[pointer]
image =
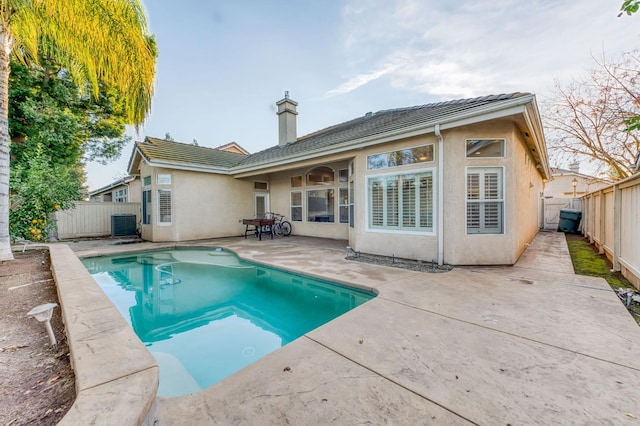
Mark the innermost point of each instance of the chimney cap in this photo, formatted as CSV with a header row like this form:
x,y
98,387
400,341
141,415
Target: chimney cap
x,y
287,99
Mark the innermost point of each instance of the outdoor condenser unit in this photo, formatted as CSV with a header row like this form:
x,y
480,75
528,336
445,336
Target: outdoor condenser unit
x,y
123,224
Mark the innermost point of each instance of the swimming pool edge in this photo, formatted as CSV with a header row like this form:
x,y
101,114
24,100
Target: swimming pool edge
x,y
109,389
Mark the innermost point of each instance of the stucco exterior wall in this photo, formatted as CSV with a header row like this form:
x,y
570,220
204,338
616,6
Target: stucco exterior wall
x,y
408,245
522,188
204,205
561,185
209,205
521,208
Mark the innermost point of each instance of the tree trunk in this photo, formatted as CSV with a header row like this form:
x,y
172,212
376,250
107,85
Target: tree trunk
x,y
6,43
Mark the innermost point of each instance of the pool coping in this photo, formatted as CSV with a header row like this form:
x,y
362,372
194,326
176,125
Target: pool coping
x,y
371,379
107,390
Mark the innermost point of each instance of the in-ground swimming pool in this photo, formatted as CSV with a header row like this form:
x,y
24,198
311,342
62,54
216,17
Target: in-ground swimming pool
x,y
205,313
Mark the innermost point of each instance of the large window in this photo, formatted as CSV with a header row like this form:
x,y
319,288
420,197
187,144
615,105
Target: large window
x,y
485,200
401,202
320,206
164,206
403,157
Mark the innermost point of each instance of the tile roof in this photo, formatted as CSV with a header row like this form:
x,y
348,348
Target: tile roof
x,y
373,124
161,150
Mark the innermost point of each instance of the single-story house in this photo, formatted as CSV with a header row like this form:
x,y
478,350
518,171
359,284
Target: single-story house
x,y
457,182
570,183
125,190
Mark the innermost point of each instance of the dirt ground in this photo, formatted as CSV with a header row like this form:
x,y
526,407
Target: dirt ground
x,y
36,383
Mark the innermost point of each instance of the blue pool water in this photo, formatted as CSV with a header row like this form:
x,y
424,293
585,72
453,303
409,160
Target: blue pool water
x,y
206,313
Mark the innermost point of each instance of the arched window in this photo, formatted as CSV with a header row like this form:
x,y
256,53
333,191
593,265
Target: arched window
x,y
321,175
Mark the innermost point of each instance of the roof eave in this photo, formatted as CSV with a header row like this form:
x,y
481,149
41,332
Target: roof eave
x,y
187,166
488,112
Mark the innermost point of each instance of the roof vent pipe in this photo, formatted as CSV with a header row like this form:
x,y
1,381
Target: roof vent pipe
x,y
287,127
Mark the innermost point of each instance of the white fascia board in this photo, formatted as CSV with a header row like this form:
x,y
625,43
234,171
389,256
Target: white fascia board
x,y
188,167
535,125
491,112
135,152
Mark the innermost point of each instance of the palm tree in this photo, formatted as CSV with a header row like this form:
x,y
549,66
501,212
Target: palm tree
x,y
97,41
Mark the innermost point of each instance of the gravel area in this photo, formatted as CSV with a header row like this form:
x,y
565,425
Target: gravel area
x,y
395,262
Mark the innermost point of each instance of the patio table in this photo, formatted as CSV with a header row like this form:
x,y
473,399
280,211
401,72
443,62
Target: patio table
x,y
260,226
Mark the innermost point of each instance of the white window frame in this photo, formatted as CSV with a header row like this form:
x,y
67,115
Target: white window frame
x,y
315,188
266,197
343,205
256,182
120,195
159,221
400,229
504,148
292,206
481,200
387,167
147,206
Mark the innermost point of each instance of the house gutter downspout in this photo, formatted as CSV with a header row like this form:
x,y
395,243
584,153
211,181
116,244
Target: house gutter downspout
x,y
440,194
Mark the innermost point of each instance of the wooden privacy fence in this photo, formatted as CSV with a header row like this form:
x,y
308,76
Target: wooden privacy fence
x,y
611,221
89,219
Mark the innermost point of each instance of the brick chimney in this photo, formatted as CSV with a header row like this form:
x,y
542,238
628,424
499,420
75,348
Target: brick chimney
x,y
287,131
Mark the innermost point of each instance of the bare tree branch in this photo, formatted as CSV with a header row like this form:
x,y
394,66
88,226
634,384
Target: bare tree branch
x,y
588,118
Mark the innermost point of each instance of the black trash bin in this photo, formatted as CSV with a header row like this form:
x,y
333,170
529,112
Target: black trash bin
x,y
123,224
569,220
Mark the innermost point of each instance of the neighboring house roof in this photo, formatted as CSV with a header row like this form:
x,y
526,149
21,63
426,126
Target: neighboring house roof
x,y
370,129
556,171
233,147
164,153
125,180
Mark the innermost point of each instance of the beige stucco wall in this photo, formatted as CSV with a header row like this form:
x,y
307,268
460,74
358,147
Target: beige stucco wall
x,y
522,183
204,205
521,202
209,205
135,191
399,244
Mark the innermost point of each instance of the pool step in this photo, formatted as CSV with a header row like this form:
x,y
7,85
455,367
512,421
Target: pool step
x,y
175,380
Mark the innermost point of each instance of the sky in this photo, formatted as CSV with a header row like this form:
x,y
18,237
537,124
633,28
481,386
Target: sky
x,y
223,65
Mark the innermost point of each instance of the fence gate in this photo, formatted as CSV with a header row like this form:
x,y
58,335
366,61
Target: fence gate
x,y
552,207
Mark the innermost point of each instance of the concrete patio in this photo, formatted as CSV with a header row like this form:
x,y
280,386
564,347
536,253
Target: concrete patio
x,y
528,344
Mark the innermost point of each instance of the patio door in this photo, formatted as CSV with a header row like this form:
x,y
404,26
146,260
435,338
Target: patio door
x,y
261,205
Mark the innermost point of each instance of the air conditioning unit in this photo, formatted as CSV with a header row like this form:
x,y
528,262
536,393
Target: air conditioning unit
x,y
123,224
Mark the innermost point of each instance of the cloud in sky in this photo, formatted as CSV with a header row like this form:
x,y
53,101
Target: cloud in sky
x,y
469,48
222,65
361,79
